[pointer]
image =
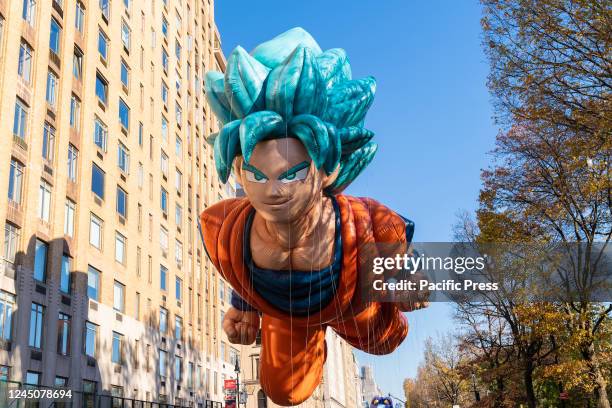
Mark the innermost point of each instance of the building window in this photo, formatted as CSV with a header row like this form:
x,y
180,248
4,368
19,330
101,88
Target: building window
x,y
15,181
52,86
54,37
163,363
24,68
101,89
178,328
164,200
137,306
32,378
178,368
120,248
119,297
29,11
4,373
44,200
79,20
77,64
123,158
163,277
163,320
37,314
12,234
95,231
164,129
20,120
75,112
103,45
100,134
164,163
178,147
97,180
91,336
140,175
117,348
7,306
165,27
177,49
178,255
125,74
221,290
93,283
63,335
179,288
105,8
121,202
70,209
61,382
179,114
140,133
48,142
178,215
65,274
165,60
138,261
73,157
124,114
163,240
164,93
125,35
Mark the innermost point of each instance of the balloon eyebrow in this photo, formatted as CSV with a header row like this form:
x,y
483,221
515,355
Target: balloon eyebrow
x,y
294,169
254,169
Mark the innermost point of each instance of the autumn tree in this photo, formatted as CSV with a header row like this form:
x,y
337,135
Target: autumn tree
x,y
551,78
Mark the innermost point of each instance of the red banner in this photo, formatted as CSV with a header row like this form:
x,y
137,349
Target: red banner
x,y
229,385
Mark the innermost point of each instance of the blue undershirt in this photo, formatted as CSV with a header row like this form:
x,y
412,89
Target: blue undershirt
x,y
299,293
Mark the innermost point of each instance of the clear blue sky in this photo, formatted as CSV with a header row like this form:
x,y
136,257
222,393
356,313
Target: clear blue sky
x,y
432,115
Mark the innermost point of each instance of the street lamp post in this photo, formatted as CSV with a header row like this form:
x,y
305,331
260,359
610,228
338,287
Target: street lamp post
x,y
476,393
237,370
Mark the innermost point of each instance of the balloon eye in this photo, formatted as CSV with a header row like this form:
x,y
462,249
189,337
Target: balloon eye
x,y
298,175
255,177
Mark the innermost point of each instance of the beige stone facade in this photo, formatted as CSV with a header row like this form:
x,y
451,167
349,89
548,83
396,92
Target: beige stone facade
x,y
105,287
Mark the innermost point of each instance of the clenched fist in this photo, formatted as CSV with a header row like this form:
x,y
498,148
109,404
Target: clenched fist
x,y
415,300
241,326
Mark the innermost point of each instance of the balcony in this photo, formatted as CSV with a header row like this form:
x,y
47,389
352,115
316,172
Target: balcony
x,y
55,59
20,142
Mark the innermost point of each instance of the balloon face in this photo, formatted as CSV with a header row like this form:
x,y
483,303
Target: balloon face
x,y
280,179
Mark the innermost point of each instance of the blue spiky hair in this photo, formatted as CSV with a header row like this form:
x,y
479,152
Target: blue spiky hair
x,y
289,87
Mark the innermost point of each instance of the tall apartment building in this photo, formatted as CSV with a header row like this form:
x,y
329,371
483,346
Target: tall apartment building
x,y
368,384
105,287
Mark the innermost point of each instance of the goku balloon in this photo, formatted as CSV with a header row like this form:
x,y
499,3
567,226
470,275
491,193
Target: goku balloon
x,y
294,139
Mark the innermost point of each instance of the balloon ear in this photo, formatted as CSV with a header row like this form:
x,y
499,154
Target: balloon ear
x,y
237,167
331,178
